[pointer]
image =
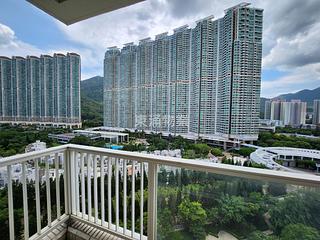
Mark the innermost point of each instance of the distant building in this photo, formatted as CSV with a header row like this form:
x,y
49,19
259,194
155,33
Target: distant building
x,y
267,110
298,112
275,109
36,146
202,82
289,113
112,137
43,90
287,155
316,112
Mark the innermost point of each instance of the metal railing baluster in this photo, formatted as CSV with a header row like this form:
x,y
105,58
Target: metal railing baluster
x,y
83,190
117,193
65,182
56,161
10,204
95,189
102,158
109,193
37,190
76,167
73,182
89,185
141,198
133,192
152,200
124,196
48,191
25,201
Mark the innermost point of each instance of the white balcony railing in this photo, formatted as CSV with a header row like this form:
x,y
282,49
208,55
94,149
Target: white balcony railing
x,y
92,190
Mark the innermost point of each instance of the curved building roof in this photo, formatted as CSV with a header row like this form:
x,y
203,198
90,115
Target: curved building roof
x,y
268,155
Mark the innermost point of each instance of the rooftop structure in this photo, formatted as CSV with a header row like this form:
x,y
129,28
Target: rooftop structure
x,y
111,136
287,155
36,146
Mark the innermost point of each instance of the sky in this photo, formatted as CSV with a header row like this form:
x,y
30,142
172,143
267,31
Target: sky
x,y
291,35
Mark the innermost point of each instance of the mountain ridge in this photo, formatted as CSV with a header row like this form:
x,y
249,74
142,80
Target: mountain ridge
x,y
92,88
305,95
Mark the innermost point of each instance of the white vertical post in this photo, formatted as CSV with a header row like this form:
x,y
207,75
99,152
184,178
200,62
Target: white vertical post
x,y
73,182
65,181
48,191
95,189
141,198
109,193
133,192
89,185
102,189
25,202
83,190
56,160
124,196
117,193
10,204
76,162
37,196
152,200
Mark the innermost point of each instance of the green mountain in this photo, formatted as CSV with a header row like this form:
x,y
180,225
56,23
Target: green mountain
x,y
91,101
92,98
305,95
92,88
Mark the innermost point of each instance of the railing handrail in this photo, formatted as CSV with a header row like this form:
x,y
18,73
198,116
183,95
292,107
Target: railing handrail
x,y
224,169
23,157
75,154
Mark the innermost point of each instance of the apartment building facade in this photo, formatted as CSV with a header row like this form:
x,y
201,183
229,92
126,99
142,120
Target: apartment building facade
x,y
43,90
316,112
203,81
291,113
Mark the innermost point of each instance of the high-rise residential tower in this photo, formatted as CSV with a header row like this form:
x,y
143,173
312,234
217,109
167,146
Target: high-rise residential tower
x,y
111,87
127,88
298,113
6,104
275,109
144,85
291,113
203,82
316,112
41,90
267,109
179,83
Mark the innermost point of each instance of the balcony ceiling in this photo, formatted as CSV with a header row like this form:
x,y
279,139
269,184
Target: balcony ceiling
x,y
72,11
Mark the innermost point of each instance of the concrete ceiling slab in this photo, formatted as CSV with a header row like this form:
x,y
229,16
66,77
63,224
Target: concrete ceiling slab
x,y
72,11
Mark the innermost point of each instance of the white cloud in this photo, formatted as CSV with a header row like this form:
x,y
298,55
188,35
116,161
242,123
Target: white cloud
x,y
298,50
305,77
11,46
291,35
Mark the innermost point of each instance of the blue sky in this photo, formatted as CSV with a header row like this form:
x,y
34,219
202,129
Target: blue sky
x,y
291,50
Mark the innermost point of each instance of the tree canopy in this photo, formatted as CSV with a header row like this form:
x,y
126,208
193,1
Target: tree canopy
x,y
193,217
